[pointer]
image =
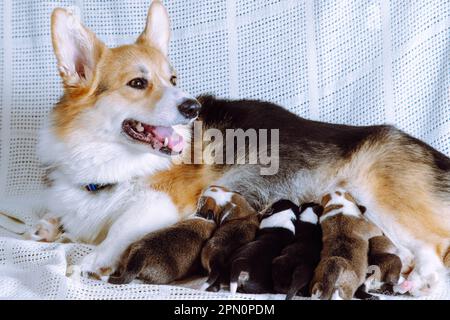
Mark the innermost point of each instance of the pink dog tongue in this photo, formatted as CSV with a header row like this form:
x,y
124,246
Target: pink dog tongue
x,y
176,142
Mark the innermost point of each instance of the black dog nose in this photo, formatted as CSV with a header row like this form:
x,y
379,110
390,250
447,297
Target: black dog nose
x,y
189,108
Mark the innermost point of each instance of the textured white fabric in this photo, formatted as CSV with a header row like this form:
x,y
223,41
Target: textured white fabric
x,y
358,62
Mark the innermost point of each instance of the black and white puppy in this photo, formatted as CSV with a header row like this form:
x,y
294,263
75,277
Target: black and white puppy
x,y
251,265
293,270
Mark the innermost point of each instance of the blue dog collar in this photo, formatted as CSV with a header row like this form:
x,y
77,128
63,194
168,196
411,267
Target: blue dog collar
x,y
94,187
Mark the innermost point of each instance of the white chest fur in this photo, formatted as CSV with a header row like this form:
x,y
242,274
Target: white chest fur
x,y
86,215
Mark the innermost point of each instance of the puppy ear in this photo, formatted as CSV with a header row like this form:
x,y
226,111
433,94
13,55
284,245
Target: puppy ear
x,y
157,29
226,213
325,199
77,49
266,212
362,209
318,210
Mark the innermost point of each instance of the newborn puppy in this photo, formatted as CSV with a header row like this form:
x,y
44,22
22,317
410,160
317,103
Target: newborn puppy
x,y
167,254
293,270
385,264
237,225
251,265
346,233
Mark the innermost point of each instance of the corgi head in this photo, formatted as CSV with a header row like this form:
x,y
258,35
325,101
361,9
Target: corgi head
x,y
119,104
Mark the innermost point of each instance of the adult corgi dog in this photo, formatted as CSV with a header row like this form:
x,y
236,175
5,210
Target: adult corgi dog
x,y
120,120
114,141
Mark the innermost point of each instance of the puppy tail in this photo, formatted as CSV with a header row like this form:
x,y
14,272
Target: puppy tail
x,y
216,267
331,272
240,273
131,270
211,283
300,278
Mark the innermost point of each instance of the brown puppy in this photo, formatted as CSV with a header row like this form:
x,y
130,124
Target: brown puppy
x,y
237,225
165,255
385,264
346,233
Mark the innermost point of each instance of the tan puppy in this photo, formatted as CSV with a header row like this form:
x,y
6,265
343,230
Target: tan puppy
x,y
385,264
237,225
346,233
165,255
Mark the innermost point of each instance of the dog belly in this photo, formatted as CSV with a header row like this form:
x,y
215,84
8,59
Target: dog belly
x,y
400,197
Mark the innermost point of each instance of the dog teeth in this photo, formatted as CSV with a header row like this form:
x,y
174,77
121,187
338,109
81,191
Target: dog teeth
x,y
166,142
139,127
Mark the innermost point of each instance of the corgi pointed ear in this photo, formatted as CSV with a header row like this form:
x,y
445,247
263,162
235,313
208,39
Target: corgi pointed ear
x,y
77,49
157,29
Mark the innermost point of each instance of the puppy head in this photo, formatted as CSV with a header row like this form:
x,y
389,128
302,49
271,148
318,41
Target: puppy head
x,y
220,204
310,213
340,201
125,97
281,214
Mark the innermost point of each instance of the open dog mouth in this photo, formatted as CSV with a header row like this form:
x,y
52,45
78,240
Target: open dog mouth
x,y
163,139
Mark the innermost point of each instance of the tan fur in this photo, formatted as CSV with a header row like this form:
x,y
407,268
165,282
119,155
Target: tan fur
x,y
348,196
415,211
325,199
447,259
115,68
331,207
387,172
184,184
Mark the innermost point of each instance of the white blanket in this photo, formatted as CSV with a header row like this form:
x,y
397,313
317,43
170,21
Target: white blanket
x,y
357,62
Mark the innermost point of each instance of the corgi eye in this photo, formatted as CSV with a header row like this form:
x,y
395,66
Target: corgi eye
x,y
138,83
173,80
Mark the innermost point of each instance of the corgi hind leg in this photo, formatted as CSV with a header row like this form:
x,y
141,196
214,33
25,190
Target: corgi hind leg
x,y
410,210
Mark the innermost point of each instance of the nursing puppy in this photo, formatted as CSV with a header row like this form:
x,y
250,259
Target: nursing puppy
x,y
237,225
293,270
344,258
251,265
166,255
385,264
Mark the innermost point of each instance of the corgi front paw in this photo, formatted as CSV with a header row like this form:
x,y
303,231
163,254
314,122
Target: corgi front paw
x,y
97,266
46,230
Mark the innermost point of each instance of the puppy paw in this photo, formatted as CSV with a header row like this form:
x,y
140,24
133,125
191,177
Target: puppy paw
x,y
403,287
47,230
